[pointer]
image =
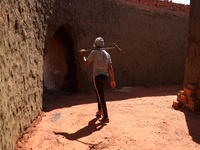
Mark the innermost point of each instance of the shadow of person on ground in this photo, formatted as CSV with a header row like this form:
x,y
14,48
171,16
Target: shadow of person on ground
x,y
89,129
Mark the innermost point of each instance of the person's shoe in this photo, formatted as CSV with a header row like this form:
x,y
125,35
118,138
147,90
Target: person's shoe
x,y
98,114
104,119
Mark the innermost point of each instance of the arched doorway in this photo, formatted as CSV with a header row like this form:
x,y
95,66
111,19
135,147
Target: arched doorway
x,y
60,72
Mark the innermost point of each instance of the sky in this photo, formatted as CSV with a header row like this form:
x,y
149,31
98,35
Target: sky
x,y
182,1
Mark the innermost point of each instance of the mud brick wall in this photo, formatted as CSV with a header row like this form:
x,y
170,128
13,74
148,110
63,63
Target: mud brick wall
x,y
192,71
154,45
153,40
21,68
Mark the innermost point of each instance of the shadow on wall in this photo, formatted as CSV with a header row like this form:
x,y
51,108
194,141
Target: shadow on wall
x,y
59,63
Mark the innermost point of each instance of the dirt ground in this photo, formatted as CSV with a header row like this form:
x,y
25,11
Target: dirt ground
x,y
140,118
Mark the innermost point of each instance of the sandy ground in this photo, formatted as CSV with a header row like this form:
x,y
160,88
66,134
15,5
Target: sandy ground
x,y
140,118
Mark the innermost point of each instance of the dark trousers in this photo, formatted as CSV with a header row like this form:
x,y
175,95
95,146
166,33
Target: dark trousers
x,y
99,83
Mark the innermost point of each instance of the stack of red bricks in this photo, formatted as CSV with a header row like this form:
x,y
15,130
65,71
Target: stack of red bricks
x,y
166,4
187,98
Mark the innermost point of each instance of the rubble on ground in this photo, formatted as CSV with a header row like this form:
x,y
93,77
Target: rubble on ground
x,y
187,98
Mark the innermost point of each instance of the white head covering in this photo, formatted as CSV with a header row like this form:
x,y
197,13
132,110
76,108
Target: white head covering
x,y
99,42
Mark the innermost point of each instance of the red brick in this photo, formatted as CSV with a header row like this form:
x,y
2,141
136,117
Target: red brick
x,y
193,98
191,107
179,99
195,105
184,97
190,92
180,103
192,87
184,102
190,102
175,104
182,92
178,95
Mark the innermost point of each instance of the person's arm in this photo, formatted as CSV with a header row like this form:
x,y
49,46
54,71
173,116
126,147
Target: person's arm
x,y
112,83
85,61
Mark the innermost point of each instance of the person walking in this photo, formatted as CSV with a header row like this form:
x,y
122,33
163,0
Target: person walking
x,y
102,66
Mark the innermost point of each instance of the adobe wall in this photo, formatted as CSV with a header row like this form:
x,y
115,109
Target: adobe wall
x,y
153,41
192,71
22,37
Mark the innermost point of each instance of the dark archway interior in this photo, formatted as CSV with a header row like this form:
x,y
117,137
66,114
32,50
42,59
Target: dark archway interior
x,y
59,64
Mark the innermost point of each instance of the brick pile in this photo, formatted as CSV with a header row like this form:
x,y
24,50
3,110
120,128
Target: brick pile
x,y
187,98
166,4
